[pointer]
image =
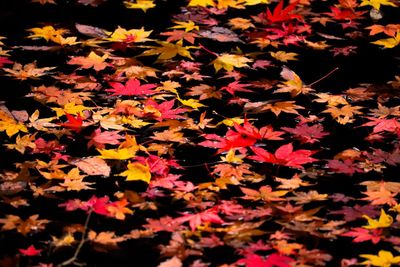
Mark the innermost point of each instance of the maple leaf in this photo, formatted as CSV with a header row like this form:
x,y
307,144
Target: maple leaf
x,y
140,4
306,133
118,209
236,86
383,124
240,23
4,60
99,139
132,87
275,259
128,36
348,3
47,32
275,107
91,61
24,227
362,235
30,251
389,29
384,259
344,14
23,72
284,56
307,197
9,124
169,50
93,166
193,103
203,3
381,196
73,123
346,166
384,221
265,193
284,155
344,114
186,25
195,220
377,3
163,110
178,35
281,14
121,153
137,171
229,61
389,42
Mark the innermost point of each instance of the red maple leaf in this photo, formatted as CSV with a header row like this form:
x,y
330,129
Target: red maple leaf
x,y
30,251
244,136
284,155
132,87
344,14
4,60
281,14
361,235
273,260
73,123
165,110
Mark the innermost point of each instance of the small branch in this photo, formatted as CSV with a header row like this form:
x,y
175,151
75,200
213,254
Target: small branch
x,y
81,243
208,50
323,77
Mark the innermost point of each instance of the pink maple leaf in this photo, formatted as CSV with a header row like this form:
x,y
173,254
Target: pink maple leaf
x,y
132,88
210,215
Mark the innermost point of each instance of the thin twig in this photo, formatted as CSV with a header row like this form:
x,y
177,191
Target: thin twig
x,y
323,77
81,243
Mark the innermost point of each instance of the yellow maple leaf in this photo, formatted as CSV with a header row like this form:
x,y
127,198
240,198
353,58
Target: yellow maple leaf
x,y
129,36
377,3
193,103
137,171
203,3
229,61
22,143
383,221
9,124
169,50
384,259
71,108
222,4
284,56
255,2
188,26
389,42
140,4
232,158
65,41
47,32
120,154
